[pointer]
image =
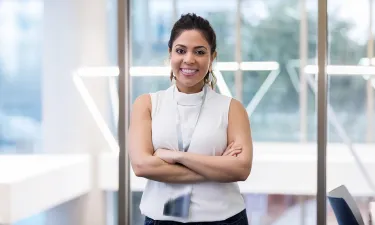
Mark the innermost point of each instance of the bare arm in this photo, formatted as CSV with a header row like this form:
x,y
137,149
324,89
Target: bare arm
x,y
226,168
141,151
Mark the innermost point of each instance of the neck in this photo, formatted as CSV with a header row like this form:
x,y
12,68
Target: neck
x,y
190,90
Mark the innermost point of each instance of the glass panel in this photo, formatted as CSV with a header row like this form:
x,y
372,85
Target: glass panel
x,y
21,35
151,21
348,35
349,143
279,102
50,103
271,34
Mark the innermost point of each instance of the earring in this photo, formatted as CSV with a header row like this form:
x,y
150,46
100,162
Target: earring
x,y
172,76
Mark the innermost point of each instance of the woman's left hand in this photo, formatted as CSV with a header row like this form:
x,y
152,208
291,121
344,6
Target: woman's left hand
x,y
169,156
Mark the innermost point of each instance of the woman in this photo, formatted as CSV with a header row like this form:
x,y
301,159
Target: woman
x,y
191,143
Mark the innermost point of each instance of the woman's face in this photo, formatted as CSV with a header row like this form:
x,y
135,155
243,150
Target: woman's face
x,y
191,59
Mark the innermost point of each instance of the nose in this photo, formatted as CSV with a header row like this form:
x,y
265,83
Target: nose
x,y
189,58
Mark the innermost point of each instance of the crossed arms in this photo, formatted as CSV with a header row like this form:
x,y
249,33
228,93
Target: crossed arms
x,y
183,167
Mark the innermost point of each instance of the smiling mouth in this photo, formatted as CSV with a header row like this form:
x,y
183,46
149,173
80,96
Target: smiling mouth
x,y
189,72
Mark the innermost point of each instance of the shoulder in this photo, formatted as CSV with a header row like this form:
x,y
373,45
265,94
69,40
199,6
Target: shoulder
x,y
237,111
142,102
236,105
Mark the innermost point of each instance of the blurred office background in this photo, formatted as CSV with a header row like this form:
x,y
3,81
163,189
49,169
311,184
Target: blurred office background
x,y
59,104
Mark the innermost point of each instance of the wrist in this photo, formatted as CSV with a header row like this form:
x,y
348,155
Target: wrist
x,y
179,156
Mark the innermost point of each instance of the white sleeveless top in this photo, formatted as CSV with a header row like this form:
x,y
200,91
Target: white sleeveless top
x,y
210,201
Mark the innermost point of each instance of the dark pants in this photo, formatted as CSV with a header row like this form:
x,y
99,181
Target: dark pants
x,y
238,219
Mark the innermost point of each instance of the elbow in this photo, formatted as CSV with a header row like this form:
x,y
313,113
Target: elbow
x,y
243,176
245,173
139,169
144,167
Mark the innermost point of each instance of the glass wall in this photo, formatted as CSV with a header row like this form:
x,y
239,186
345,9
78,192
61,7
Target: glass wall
x,y
351,96
348,41
281,32
21,35
48,106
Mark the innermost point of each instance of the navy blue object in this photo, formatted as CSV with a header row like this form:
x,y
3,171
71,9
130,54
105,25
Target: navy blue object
x,y
342,211
178,207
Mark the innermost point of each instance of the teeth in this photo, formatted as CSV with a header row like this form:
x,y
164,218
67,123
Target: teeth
x,y
188,71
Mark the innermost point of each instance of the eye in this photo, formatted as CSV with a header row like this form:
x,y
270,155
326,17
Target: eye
x,y
200,52
180,51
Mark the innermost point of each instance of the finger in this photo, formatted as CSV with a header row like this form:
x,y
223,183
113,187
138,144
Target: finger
x,y
232,151
226,151
230,145
233,147
235,152
228,148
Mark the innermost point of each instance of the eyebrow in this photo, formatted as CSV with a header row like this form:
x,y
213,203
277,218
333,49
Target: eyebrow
x,y
179,45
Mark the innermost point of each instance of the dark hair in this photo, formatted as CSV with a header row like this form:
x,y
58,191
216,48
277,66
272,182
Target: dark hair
x,y
191,21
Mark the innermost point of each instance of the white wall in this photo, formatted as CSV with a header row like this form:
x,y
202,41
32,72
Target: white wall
x,y
75,35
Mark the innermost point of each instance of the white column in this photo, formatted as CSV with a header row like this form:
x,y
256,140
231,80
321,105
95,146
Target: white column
x,y
75,35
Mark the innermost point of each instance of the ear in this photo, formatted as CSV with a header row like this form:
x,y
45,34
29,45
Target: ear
x,y
213,57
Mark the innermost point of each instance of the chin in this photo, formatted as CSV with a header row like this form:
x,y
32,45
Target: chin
x,y
188,82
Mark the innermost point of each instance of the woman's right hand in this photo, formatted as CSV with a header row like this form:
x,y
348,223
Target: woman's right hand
x,y
232,150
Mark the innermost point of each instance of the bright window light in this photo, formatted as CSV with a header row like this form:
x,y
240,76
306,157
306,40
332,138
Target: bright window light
x,y
227,66
342,70
366,61
109,71
259,66
150,71
94,111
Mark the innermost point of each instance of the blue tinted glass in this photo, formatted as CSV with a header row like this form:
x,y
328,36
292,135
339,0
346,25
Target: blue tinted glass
x,y
21,34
